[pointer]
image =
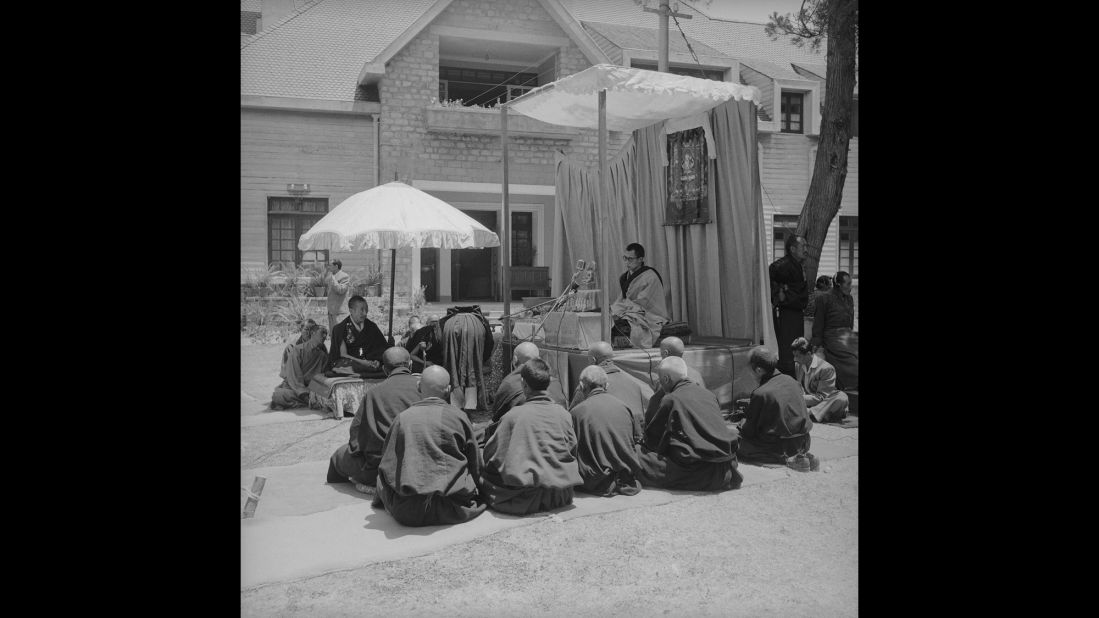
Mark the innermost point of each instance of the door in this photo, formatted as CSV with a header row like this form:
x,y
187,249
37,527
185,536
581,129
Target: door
x,y
429,273
472,269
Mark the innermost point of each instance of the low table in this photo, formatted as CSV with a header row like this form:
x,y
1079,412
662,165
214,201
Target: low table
x,y
339,395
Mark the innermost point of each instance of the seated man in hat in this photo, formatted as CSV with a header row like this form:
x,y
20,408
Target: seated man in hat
x,y
357,461
357,344
300,362
776,425
607,433
817,378
687,445
530,460
430,467
626,388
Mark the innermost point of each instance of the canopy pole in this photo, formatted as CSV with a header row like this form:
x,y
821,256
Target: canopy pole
x,y
604,248
392,281
505,228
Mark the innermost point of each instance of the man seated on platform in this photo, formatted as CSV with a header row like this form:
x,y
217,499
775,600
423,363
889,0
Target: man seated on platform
x,y
430,469
357,461
425,345
607,433
530,460
817,378
510,392
775,429
628,389
357,344
671,346
641,311
687,444
300,362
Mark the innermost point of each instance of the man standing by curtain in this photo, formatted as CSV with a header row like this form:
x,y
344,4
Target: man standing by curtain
x,y
641,311
789,296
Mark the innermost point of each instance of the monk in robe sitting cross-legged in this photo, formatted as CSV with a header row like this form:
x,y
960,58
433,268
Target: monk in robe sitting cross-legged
x,y
607,433
300,362
357,344
628,389
687,445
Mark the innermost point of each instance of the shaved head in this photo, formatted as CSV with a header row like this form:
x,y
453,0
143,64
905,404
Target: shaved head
x,y
395,357
434,382
594,376
525,351
672,369
601,351
671,346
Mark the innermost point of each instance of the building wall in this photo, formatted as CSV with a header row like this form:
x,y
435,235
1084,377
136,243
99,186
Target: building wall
x,y
333,153
766,85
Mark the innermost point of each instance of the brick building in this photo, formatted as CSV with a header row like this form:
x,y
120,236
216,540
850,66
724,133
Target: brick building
x,y
338,96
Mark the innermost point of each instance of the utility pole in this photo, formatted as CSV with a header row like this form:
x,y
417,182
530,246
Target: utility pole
x,y
664,12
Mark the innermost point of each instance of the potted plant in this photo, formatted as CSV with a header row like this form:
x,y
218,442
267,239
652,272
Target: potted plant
x,y
316,281
372,280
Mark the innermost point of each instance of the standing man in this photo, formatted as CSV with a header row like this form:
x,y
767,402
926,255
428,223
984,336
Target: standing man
x,y
339,285
641,311
789,295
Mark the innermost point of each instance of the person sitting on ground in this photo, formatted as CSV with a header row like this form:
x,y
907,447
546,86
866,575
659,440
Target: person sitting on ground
x,y
775,429
426,345
530,460
817,378
687,444
430,469
413,326
357,344
671,346
300,362
607,433
833,325
510,392
357,460
628,389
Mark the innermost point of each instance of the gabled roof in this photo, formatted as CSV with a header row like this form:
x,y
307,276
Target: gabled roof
x,y
636,37
251,5
773,70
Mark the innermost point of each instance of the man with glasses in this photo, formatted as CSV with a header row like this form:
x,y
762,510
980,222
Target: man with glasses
x,y
641,311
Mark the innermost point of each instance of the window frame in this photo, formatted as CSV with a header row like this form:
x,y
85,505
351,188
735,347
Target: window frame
x,y
299,218
851,228
784,113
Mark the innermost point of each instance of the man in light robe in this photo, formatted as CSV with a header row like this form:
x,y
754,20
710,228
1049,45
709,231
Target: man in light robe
x,y
430,466
357,461
626,388
530,460
776,426
641,311
338,283
510,393
817,378
671,346
300,362
357,344
607,433
687,444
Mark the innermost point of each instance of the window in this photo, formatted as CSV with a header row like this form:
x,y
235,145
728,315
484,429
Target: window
x,y
792,105
483,86
783,227
287,219
849,245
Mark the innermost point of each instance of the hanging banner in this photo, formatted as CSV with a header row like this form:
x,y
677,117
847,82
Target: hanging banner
x,y
688,168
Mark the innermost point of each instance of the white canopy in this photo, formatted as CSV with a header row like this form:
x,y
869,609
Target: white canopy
x,y
394,216
636,98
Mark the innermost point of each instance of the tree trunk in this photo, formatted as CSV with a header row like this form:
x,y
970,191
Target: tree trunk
x,y
830,169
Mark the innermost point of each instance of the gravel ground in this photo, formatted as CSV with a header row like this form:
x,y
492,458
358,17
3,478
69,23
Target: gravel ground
x,y
783,548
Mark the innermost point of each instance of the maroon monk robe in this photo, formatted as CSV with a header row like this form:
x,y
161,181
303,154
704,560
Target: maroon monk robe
x,y
359,458
687,445
300,361
430,466
510,393
606,451
626,388
777,423
530,460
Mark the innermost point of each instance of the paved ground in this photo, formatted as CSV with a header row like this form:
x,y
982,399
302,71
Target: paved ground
x,y
783,548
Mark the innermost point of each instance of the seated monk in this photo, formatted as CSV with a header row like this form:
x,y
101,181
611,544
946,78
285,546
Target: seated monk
x,y
426,345
607,433
628,389
530,460
510,392
776,425
357,461
430,467
687,445
817,378
300,361
357,344
671,346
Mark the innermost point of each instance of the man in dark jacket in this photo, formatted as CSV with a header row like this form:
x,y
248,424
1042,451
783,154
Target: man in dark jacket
x,y
687,445
832,329
357,461
776,426
789,296
607,433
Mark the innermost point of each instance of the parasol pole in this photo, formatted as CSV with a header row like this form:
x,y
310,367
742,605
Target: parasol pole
x,y
505,252
601,228
392,280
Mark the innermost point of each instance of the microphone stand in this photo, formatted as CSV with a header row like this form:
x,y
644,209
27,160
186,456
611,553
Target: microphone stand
x,y
570,290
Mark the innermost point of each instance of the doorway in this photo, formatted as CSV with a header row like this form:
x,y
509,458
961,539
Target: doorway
x,y
429,273
473,271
